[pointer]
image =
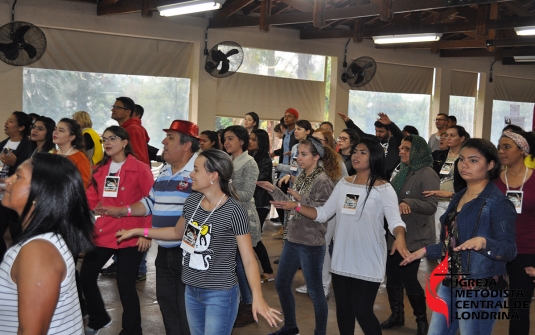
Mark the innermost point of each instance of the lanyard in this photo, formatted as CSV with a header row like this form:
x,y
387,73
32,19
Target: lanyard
x,y
199,205
523,182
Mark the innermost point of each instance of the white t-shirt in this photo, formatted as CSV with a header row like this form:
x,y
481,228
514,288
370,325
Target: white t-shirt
x,y
360,247
10,146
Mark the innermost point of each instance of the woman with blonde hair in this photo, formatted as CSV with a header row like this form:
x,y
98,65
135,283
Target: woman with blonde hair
x,y
92,142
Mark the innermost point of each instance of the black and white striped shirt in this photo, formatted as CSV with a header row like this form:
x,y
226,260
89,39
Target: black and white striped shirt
x,y
67,318
213,263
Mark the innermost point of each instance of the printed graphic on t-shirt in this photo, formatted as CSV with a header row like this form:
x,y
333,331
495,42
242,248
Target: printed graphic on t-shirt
x,y
200,258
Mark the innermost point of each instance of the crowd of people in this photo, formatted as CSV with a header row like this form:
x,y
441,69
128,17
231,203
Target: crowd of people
x,y
355,209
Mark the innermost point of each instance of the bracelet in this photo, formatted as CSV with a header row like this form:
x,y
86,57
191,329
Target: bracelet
x,y
298,207
146,232
129,210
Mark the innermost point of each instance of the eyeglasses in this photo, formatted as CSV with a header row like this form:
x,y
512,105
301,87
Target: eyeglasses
x,y
117,107
440,120
342,138
38,128
111,138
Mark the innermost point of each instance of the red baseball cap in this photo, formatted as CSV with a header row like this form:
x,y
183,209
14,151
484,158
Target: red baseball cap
x,y
293,111
184,127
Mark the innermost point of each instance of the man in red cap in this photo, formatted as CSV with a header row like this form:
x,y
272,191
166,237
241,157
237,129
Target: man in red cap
x,y
165,202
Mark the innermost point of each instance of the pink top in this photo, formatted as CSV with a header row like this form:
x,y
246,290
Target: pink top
x,y
525,222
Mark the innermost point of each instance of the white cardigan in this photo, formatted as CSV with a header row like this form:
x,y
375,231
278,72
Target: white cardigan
x,y
359,240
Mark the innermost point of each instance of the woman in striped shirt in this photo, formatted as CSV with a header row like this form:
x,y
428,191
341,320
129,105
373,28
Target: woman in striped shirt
x,y
214,225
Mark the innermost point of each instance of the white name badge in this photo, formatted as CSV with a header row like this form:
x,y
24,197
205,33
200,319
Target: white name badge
x,y
350,204
191,234
516,198
111,186
446,168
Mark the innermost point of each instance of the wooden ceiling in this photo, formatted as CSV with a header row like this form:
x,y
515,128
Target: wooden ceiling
x,y
471,28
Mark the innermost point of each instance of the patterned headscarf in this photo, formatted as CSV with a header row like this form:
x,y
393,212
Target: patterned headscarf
x,y
519,140
419,157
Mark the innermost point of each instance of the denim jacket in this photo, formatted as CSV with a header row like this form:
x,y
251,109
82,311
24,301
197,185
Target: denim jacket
x,y
492,216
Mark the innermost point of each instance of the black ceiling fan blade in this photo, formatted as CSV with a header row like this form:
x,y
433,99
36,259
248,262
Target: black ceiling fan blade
x,y
232,52
359,79
210,66
18,37
355,68
30,49
12,55
8,47
224,68
218,56
368,65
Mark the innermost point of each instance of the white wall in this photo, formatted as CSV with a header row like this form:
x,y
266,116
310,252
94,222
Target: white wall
x,y
82,16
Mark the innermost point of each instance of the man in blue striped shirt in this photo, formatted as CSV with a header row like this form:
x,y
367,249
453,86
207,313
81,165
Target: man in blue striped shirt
x,y
165,202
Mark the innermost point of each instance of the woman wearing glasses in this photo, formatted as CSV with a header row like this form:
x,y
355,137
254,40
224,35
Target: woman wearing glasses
x,y
347,140
118,180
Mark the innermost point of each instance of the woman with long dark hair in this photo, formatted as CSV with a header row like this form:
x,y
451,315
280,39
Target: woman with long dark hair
x,y
347,140
259,149
213,226
68,137
118,180
361,203
236,141
414,175
477,239
251,122
38,292
15,150
518,184
305,239
209,140
41,134
449,183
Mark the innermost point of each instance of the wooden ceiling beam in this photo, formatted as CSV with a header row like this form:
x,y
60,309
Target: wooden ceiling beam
x,y
232,8
251,8
466,53
357,30
517,9
497,24
265,12
481,23
518,52
318,19
368,10
385,10
300,5
491,35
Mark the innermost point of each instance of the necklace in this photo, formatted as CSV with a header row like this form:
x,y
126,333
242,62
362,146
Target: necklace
x,y
523,182
61,153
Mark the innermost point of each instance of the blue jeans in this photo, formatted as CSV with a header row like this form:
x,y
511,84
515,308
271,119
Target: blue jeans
x,y
211,312
245,290
311,260
468,325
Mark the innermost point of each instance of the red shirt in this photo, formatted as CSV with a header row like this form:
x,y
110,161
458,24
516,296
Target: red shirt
x,y
525,221
138,139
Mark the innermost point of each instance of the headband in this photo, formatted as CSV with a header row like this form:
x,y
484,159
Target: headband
x,y
317,144
519,140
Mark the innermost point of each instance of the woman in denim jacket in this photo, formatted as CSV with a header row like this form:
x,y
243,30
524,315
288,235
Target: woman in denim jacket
x,y
477,240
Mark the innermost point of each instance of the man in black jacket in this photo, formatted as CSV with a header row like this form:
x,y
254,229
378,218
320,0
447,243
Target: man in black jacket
x,y
387,133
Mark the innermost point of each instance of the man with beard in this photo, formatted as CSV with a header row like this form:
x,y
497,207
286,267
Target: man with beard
x,y
387,133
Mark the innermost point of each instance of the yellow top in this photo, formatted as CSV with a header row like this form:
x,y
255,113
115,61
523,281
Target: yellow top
x,y
98,153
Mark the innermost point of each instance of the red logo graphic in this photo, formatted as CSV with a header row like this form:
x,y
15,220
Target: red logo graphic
x,y
434,302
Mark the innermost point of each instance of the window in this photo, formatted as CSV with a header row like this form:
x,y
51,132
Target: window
x,y
283,64
463,108
519,113
58,94
403,109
